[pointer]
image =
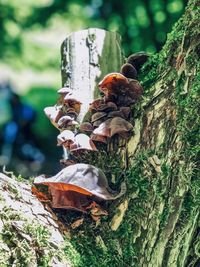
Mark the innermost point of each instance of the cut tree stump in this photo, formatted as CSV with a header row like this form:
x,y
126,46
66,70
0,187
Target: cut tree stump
x,y
86,57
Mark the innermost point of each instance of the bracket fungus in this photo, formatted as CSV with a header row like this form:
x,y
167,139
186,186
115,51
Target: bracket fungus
x,y
77,186
98,116
75,183
98,138
106,107
129,71
86,127
71,101
66,121
65,138
82,142
95,104
113,83
65,91
138,59
54,113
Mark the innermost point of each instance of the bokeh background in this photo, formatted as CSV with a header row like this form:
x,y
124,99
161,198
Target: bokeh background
x,y
31,33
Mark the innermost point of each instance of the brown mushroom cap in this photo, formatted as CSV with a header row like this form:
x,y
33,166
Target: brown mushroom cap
x,y
138,59
95,104
84,177
69,199
103,129
120,126
109,98
71,98
73,104
86,127
98,138
109,106
135,89
126,111
117,113
54,113
66,121
70,112
82,142
97,123
73,115
65,90
125,100
66,137
98,115
129,71
113,83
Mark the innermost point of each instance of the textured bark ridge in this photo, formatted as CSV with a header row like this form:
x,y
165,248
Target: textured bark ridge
x,y
156,222
29,233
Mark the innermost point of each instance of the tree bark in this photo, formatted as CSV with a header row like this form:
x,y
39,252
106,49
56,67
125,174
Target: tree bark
x,y
86,57
29,233
156,223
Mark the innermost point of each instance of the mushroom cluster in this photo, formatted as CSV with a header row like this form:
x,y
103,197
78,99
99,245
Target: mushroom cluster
x,y
77,185
64,117
110,114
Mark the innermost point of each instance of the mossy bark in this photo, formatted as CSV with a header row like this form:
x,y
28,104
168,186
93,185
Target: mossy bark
x,y
156,223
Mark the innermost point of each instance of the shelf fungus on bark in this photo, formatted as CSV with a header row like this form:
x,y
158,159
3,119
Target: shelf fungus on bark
x,y
135,89
63,92
71,112
126,111
71,101
124,90
138,59
93,107
81,143
66,121
86,127
98,138
65,138
54,113
129,71
77,186
106,107
113,126
113,84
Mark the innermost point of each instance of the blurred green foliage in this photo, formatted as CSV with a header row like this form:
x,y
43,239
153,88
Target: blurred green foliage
x,y
143,25
39,98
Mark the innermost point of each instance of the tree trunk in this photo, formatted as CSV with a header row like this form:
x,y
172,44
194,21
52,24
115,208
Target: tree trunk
x,y
86,57
29,233
156,223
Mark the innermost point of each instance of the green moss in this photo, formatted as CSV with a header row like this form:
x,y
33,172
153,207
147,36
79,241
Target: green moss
x,y
29,244
118,248
13,190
